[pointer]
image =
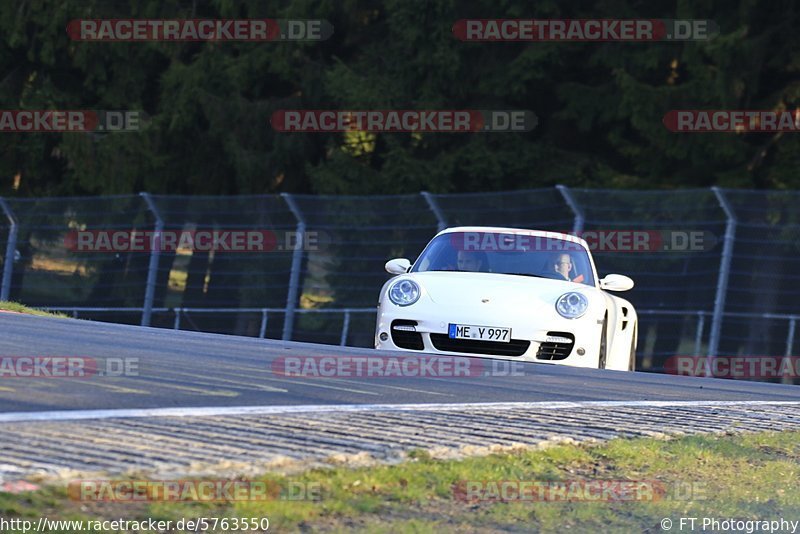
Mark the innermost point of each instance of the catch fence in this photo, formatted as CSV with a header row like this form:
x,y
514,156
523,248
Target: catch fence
x,y
732,292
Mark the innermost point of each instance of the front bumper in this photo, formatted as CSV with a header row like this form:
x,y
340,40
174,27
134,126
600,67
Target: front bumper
x,y
529,341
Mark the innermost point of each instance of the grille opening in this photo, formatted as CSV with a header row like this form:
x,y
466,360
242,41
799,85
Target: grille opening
x,y
515,347
550,350
406,339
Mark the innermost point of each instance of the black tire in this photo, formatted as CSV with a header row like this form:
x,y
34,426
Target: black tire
x,y
632,362
601,364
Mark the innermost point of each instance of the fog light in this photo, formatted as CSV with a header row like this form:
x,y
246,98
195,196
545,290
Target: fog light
x,y
384,336
581,351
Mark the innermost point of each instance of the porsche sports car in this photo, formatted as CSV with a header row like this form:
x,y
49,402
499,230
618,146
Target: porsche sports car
x,y
510,294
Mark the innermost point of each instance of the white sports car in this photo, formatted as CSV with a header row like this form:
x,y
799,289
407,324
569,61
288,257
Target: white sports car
x,y
510,294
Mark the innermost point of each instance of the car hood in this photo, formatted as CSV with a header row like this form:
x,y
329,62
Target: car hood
x,y
501,290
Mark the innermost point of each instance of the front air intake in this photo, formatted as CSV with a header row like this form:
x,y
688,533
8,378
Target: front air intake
x,y
558,346
515,347
404,335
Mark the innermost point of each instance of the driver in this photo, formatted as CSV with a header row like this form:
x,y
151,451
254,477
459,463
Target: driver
x,y
565,267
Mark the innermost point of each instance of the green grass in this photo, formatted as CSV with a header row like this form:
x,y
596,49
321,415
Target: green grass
x,y
749,476
21,308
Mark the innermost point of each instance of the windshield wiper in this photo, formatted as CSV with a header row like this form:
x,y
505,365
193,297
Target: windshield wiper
x,y
453,271
529,274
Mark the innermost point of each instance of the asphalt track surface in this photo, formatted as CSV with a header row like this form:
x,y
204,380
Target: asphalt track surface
x,y
190,369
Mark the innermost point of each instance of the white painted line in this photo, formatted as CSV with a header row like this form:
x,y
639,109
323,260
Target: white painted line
x,y
317,385
209,411
412,390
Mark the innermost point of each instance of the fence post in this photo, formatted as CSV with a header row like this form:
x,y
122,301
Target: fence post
x,y
724,271
787,355
263,330
698,336
345,328
441,220
152,269
294,275
11,247
577,226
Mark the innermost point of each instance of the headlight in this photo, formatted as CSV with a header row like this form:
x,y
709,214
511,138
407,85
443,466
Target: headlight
x,y
404,292
572,305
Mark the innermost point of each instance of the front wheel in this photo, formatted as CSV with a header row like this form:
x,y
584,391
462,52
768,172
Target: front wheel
x,y
632,361
601,364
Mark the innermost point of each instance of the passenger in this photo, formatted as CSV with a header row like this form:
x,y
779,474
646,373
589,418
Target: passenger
x,y
474,261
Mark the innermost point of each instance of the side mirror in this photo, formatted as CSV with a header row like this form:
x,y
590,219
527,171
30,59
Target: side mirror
x,y
398,266
616,282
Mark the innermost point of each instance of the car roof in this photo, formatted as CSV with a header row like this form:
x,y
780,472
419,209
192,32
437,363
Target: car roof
x,y
517,231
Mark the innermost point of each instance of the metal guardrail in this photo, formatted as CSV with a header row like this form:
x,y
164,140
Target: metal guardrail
x,y
180,312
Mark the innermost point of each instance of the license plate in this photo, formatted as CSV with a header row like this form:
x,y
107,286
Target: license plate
x,y
483,333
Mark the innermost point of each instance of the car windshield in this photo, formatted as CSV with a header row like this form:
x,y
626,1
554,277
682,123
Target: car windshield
x,y
506,253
